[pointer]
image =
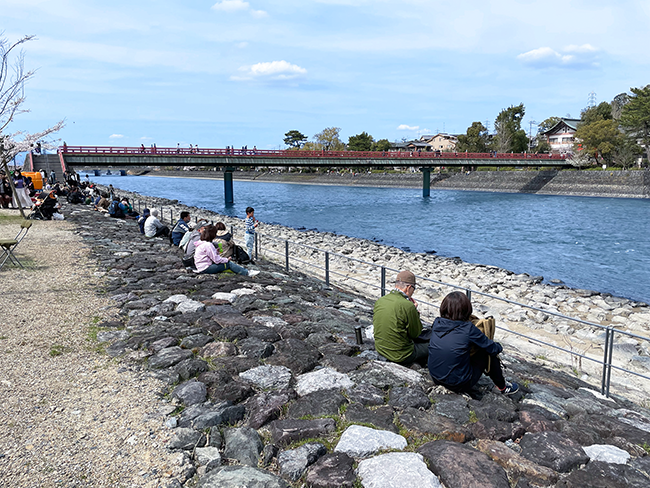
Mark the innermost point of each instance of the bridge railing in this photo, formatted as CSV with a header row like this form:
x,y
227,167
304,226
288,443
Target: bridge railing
x,y
352,274
295,154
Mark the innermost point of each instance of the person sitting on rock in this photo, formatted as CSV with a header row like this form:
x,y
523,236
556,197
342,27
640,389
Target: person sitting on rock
x,y
397,324
154,227
180,228
224,241
207,259
189,241
452,337
142,219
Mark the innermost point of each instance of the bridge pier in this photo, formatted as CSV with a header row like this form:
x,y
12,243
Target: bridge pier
x,y
426,181
228,191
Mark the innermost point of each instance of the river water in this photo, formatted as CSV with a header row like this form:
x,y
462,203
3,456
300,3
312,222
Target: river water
x,y
601,244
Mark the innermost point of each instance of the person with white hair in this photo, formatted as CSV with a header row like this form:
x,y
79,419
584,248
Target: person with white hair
x,y
154,227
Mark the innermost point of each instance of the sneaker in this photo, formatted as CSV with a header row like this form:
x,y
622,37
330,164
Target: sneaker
x,y
510,388
253,272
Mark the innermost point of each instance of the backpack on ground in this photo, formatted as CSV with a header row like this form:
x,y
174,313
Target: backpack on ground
x,y
114,209
240,256
488,327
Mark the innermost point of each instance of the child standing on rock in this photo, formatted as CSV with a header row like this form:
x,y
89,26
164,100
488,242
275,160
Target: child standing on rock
x,y
251,223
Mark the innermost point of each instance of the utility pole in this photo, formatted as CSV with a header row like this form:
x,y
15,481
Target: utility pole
x,y
530,135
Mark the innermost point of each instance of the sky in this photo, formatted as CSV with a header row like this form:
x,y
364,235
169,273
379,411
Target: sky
x,y
234,72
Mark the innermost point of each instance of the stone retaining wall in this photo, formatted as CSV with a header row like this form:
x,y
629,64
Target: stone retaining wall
x,y
618,184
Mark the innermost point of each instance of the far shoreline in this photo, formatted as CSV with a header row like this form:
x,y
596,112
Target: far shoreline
x,y
634,184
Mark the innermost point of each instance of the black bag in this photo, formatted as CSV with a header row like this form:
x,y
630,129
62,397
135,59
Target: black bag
x,y
240,256
189,262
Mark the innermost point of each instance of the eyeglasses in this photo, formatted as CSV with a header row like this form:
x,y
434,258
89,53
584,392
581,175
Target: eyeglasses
x,y
414,286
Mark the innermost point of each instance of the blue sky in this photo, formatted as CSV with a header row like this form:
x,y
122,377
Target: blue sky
x,y
235,72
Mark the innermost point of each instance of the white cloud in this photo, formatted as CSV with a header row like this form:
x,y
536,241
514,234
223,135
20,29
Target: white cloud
x,y
572,56
116,136
407,127
238,6
275,70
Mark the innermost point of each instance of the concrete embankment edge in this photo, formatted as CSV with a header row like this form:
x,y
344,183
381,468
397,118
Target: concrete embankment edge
x,y
613,184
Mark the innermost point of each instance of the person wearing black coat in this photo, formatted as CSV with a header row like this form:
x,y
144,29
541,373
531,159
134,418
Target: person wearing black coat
x,y
452,337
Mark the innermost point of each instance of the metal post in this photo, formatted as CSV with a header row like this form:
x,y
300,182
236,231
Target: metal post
x,y
607,361
327,268
426,182
161,214
468,292
286,253
357,334
383,281
255,235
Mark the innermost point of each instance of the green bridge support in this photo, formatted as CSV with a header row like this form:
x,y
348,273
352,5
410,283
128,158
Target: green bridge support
x,y
228,191
426,181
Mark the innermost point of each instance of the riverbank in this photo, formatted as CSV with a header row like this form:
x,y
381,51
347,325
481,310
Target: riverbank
x,y
613,184
361,274
272,389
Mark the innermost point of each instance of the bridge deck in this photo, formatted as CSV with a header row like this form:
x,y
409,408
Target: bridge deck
x,y
139,156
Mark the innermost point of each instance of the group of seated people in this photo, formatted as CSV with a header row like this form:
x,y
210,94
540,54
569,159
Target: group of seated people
x,y
455,351
207,248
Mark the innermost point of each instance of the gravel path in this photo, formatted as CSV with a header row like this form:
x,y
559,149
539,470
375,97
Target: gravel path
x,y
70,416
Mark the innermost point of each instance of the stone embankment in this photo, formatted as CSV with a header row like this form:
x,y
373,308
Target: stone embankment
x,y
355,265
273,391
616,184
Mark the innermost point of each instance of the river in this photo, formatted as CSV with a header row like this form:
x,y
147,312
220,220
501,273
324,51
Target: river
x,y
601,244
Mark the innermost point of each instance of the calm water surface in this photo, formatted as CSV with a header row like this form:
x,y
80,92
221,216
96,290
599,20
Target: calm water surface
x,y
601,244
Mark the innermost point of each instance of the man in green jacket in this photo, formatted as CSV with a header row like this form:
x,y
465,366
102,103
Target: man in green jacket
x,y
397,323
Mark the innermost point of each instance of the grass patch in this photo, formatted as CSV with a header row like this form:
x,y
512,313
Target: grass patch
x,y
472,417
10,219
58,350
646,447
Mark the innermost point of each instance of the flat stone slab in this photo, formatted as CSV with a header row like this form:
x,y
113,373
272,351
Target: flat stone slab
x,y
386,375
168,357
397,470
294,462
238,476
284,432
358,441
605,475
607,454
553,450
461,466
517,465
335,470
317,404
323,379
268,377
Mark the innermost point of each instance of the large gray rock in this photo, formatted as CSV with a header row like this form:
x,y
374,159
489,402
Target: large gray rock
x,y
403,397
317,404
366,395
186,439
295,354
223,413
284,432
461,466
382,417
335,470
243,444
607,454
397,470
385,375
239,476
605,475
323,379
208,457
168,357
268,377
553,450
358,441
191,392
265,407
294,462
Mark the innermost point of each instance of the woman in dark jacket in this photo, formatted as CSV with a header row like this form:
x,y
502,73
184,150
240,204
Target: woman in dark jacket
x,y
450,362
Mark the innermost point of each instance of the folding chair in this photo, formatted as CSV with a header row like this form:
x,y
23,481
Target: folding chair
x,y
8,245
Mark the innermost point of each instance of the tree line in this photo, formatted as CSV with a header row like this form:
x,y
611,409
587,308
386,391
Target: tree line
x,y
615,133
